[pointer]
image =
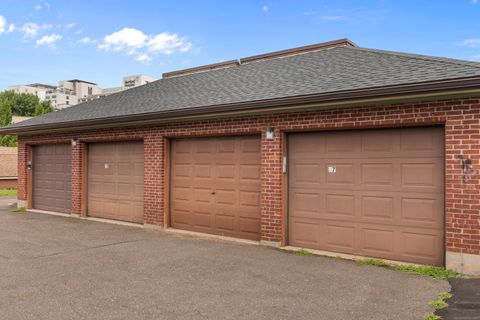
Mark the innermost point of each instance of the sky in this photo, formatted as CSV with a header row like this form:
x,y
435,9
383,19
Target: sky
x,y
101,41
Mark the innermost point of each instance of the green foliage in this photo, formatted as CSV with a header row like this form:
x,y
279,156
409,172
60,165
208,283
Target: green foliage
x,y
373,262
429,271
303,253
431,316
19,104
437,305
21,210
8,192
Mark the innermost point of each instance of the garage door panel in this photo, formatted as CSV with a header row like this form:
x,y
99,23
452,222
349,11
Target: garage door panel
x,y
115,181
377,241
384,197
52,178
222,176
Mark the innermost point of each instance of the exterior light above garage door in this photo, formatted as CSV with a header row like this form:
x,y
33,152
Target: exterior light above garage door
x,y
74,142
270,134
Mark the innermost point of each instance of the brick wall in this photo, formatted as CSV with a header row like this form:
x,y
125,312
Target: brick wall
x,y
460,117
8,183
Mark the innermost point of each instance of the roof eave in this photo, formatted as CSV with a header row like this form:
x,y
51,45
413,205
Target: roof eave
x,y
433,88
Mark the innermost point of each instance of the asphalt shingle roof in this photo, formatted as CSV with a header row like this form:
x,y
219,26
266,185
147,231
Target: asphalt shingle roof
x,y
323,71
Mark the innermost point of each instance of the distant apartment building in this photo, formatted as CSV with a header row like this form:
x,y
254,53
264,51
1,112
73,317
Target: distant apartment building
x,y
135,81
71,92
38,89
128,82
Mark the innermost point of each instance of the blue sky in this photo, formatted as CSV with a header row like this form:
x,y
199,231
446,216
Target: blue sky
x,y
101,41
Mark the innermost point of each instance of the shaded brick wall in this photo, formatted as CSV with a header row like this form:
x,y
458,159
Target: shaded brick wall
x,y
8,183
460,117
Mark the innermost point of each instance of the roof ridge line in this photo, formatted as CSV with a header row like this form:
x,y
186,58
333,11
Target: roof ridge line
x,y
421,57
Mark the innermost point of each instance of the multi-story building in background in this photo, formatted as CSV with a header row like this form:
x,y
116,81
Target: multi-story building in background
x,y
135,81
71,92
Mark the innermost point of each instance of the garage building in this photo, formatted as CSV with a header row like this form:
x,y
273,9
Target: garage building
x,y
329,147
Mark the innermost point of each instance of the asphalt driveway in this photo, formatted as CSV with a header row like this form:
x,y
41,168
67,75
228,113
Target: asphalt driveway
x,y
62,268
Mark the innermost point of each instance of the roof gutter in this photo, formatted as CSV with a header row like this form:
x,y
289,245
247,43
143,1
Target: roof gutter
x,y
469,86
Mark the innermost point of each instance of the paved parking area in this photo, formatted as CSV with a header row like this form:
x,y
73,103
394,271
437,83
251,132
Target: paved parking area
x,y
62,268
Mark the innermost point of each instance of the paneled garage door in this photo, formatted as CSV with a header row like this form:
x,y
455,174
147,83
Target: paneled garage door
x,y
52,177
377,193
215,186
115,181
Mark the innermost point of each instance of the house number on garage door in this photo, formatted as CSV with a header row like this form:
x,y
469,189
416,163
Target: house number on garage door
x,y
332,169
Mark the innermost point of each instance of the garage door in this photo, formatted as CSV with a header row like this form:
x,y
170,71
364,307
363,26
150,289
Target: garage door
x,y
377,193
115,181
215,186
52,177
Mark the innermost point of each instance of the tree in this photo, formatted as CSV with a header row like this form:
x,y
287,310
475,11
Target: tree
x,y
15,104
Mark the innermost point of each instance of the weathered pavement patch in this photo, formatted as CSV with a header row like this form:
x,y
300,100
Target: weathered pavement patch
x,y
465,303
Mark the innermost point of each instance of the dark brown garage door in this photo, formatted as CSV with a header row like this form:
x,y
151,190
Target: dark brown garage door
x,y
52,177
115,181
377,193
215,186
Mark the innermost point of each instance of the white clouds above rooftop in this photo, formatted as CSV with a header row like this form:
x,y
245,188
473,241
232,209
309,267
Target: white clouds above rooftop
x,y
143,47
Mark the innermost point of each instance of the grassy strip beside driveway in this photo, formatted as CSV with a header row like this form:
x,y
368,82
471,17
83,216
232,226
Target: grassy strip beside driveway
x,y
8,192
429,271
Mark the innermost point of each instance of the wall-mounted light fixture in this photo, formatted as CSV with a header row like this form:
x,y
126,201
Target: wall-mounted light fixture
x,y
270,134
74,142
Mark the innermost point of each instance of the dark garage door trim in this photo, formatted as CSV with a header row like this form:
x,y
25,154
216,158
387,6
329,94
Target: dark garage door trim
x,y
287,176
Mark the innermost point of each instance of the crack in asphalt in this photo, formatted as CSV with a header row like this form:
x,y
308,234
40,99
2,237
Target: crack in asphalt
x,y
86,249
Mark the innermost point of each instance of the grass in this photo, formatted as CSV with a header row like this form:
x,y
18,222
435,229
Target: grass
x,y
8,192
303,253
438,304
429,271
431,316
21,209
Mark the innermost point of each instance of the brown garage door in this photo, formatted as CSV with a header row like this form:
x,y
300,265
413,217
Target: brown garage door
x,y
377,193
52,177
215,186
115,181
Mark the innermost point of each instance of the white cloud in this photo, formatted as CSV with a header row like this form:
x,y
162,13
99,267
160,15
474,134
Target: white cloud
x,y
265,8
31,30
70,25
144,58
168,43
144,47
41,5
4,27
49,40
471,43
86,40
3,23
127,38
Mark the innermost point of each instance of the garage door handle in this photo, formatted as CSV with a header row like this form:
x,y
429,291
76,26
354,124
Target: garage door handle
x,y
213,192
